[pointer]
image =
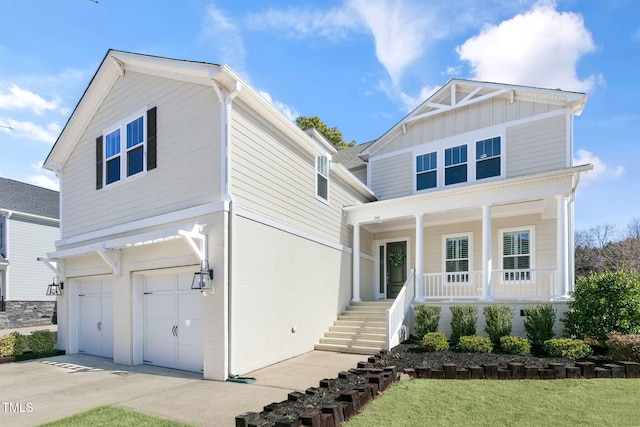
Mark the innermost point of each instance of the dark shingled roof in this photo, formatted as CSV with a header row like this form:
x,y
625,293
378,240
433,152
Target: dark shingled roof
x,y
26,198
348,157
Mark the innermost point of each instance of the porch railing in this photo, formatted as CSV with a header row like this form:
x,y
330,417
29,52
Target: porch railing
x,y
398,311
505,284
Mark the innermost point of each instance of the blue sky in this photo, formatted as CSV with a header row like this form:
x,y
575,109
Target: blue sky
x,y
360,65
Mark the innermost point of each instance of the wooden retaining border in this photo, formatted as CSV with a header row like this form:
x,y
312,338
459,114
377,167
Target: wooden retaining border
x,y
351,402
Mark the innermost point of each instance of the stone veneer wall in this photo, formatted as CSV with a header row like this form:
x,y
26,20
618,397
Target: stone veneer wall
x,y
20,314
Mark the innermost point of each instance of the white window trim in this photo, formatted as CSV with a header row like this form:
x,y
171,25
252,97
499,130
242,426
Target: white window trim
x,y
122,126
316,172
416,173
468,139
532,247
468,235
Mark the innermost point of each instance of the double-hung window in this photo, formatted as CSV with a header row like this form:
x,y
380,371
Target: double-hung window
x,y
426,171
3,237
516,254
457,252
127,149
322,177
455,165
488,158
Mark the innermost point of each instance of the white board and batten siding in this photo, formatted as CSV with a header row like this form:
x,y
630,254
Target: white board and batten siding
x,y
275,178
188,155
28,239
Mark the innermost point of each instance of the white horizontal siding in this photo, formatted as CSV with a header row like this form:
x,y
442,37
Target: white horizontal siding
x,y
188,153
392,176
537,146
272,177
27,278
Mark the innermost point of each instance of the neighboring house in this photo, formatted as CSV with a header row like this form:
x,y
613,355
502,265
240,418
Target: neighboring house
x,y
29,227
167,163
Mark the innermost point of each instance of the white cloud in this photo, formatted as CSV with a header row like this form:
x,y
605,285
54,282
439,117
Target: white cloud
x,y
600,169
410,103
334,24
539,48
44,178
30,130
289,112
17,98
225,37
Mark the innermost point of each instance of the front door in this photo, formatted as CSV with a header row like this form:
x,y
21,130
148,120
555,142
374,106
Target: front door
x,y
396,274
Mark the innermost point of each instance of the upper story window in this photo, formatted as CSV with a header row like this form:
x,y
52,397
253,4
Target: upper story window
x,y
488,158
124,148
322,177
455,165
427,171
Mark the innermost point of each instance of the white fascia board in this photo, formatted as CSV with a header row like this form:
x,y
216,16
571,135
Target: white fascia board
x,y
9,213
529,187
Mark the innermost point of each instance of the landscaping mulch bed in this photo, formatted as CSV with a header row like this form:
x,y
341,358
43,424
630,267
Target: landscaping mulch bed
x,y
405,356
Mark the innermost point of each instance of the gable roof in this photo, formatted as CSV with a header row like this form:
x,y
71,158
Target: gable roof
x,y
116,64
446,99
29,199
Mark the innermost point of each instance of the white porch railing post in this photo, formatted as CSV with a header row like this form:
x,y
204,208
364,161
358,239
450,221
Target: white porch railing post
x,y
418,277
356,264
563,243
486,252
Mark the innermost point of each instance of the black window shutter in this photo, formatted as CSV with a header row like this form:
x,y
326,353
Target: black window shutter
x,y
99,162
152,159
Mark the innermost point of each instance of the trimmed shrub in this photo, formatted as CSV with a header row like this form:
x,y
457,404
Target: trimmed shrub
x,y
475,344
435,341
41,341
567,347
624,347
539,322
11,344
604,303
463,321
498,322
514,345
427,319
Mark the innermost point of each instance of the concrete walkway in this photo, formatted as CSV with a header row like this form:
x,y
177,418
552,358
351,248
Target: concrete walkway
x,y
44,390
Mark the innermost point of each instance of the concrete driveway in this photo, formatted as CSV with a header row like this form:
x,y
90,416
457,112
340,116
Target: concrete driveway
x,y
44,390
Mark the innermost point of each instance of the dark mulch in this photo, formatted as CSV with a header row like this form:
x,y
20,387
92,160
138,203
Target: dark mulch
x,y
406,355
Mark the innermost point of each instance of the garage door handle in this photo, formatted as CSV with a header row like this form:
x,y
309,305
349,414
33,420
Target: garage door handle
x,y
174,330
99,326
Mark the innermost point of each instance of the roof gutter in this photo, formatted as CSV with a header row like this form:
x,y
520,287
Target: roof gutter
x,y
9,213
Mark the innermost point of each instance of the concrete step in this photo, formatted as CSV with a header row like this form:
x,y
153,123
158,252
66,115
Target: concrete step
x,y
356,336
385,304
366,309
361,323
364,329
347,349
350,342
364,316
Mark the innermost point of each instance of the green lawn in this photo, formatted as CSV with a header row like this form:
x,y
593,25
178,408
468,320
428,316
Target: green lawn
x,y
113,416
596,402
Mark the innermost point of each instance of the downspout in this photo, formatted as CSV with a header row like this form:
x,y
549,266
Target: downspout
x,y
227,100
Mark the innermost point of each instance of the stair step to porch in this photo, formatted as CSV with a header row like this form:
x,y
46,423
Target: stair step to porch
x,y
347,349
356,336
360,329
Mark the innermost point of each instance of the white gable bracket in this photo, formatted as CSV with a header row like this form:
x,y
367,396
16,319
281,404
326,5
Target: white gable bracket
x,y
196,241
113,258
53,266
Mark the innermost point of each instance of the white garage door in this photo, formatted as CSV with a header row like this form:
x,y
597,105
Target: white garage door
x,y
173,322
95,318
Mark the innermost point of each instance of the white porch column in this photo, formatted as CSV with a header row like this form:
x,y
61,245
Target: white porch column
x,y
419,272
486,251
563,243
356,264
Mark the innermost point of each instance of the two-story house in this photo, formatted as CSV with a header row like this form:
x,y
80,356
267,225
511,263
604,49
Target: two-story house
x,y
175,170
29,227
